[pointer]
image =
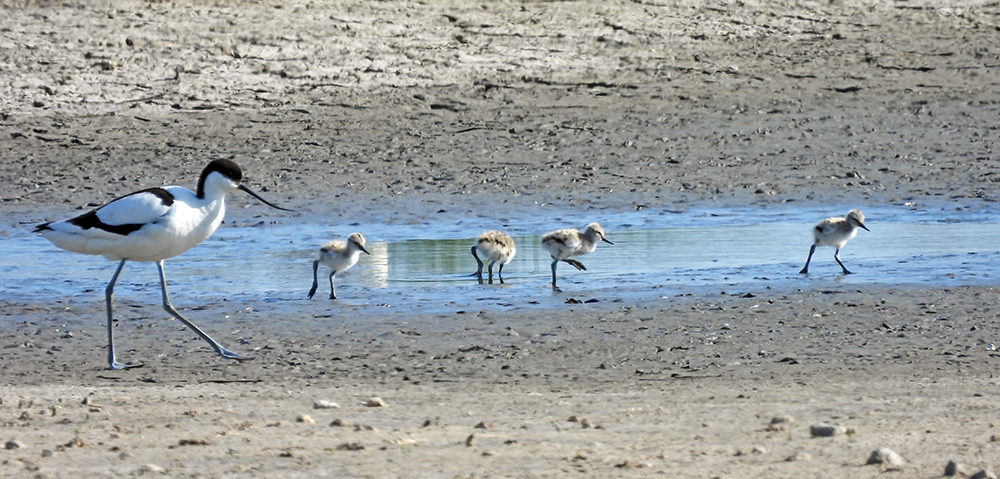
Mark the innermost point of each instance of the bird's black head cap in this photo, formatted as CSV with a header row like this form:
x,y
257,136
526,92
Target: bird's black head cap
x,y
226,167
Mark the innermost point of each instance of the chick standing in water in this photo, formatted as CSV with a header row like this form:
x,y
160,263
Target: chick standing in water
x,y
496,248
561,244
836,232
339,256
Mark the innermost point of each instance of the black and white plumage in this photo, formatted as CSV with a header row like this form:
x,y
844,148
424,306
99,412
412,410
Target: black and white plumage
x,y
338,256
561,244
836,232
496,248
152,225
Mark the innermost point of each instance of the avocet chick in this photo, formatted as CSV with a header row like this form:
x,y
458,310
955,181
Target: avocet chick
x,y
496,248
561,244
836,232
338,256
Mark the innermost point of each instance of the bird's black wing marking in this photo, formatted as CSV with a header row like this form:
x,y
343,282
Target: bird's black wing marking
x,y
90,219
491,240
556,239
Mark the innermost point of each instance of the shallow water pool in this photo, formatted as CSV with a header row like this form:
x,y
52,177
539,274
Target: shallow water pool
x,y
426,267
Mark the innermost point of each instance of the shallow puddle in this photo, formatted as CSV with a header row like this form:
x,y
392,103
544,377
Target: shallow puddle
x,y
426,268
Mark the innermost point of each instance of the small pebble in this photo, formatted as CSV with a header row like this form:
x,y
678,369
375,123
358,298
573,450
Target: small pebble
x,y
955,468
321,404
779,423
826,430
151,469
782,419
984,474
13,444
305,419
584,422
375,402
753,450
799,456
884,455
191,442
75,442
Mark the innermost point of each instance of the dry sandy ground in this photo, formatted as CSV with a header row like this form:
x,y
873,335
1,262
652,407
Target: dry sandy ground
x,y
394,110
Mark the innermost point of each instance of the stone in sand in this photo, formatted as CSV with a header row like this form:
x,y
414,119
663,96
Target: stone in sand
x,y
826,430
322,404
884,455
984,474
782,419
799,456
13,444
303,418
151,469
779,423
956,468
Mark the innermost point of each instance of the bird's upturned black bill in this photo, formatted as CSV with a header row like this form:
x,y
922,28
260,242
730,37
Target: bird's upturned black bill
x,y
262,200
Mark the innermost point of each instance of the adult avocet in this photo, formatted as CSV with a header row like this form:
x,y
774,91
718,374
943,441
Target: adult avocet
x,y
152,225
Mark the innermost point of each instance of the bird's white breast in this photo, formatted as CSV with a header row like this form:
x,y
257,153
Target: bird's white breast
x,y
338,256
834,232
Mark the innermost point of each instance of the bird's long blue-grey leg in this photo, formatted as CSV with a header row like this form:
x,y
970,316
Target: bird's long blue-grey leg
x,y
173,312
315,285
836,256
479,264
490,268
109,292
805,269
554,287
333,289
